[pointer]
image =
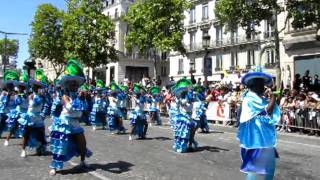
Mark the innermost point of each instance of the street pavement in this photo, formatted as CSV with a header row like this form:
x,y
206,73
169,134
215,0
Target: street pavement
x,y
117,158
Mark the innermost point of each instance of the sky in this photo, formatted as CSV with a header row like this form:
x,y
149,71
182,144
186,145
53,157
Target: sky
x,y
16,16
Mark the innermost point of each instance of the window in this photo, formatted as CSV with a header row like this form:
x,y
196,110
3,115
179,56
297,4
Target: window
x,y
234,35
234,59
207,66
108,14
250,58
192,15
268,29
205,38
192,65
218,62
107,3
116,14
219,35
205,14
251,33
270,57
180,68
192,40
112,1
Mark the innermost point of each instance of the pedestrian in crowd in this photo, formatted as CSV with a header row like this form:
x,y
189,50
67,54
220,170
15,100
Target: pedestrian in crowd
x,y
257,133
297,82
316,83
306,80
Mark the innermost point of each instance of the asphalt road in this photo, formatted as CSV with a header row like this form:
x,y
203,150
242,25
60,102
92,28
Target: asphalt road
x,y
117,158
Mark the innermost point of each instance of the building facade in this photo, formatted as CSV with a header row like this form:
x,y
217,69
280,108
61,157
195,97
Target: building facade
x,y
130,66
213,51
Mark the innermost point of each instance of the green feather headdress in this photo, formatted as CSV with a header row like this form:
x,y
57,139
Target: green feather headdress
x,y
181,86
73,72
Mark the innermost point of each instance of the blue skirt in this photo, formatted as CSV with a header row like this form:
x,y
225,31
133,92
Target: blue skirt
x,y
63,148
182,132
63,145
97,118
138,120
259,161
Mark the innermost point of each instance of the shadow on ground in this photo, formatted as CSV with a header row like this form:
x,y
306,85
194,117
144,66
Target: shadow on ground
x,y
116,168
210,149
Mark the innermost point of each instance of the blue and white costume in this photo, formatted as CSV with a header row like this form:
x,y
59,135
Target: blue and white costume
x,y
122,104
138,119
153,108
8,105
63,129
184,125
98,113
56,107
114,114
199,113
21,103
257,135
46,111
33,122
173,111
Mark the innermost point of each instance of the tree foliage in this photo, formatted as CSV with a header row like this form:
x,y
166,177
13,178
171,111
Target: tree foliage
x,y
246,13
156,24
88,33
12,47
47,41
304,13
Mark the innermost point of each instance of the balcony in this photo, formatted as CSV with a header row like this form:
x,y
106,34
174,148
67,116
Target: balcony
x,y
216,44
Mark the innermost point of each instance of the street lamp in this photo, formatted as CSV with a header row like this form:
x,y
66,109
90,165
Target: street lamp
x,y
207,61
29,64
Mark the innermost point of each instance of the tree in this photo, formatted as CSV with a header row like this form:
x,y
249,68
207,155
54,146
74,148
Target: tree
x,y
248,14
88,33
46,40
156,24
304,13
12,48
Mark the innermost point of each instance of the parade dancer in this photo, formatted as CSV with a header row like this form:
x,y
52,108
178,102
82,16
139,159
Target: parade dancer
x,y
21,102
200,108
67,136
138,119
185,127
114,117
85,96
7,99
122,101
257,134
32,123
154,100
99,108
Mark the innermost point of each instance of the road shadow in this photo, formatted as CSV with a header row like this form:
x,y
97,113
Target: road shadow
x,y
115,168
162,138
210,149
214,132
